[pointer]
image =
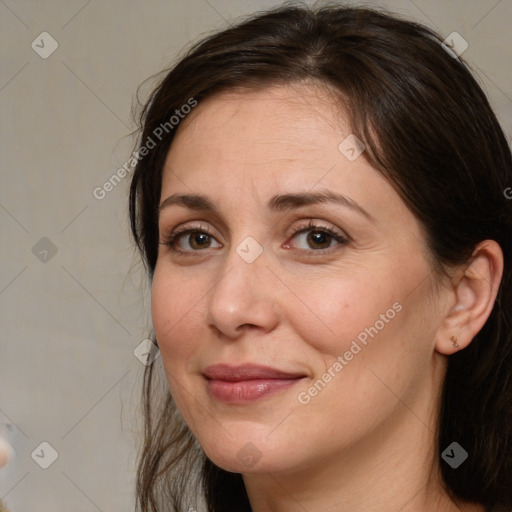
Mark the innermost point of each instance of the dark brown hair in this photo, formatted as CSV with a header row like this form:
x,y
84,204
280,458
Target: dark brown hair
x,y
428,128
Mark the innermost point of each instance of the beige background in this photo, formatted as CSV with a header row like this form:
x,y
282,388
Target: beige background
x,y
70,324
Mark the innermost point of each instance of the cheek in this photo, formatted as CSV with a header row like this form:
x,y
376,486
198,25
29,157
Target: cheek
x,y
359,330
340,311
174,310
176,326
378,348
361,350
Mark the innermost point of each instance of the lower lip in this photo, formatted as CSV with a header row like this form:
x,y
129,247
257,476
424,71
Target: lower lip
x,y
246,391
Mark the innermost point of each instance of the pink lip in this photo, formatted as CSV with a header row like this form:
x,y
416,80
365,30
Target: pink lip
x,y
247,382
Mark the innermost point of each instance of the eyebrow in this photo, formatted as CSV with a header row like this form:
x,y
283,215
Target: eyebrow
x,y
278,203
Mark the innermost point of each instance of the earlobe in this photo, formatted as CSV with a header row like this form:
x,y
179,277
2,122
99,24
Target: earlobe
x,y
475,290
453,339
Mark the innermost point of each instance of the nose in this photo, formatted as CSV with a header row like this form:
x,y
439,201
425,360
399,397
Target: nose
x,y
244,297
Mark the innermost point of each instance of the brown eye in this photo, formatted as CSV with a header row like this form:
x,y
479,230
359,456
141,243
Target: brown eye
x,y
199,240
318,238
196,240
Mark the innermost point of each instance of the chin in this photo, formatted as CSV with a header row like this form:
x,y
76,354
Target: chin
x,y
248,464
239,455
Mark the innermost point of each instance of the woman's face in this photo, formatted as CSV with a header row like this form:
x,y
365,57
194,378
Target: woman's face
x,y
324,334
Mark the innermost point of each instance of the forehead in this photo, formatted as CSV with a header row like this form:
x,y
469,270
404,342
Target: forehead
x,y
286,101
264,131
241,149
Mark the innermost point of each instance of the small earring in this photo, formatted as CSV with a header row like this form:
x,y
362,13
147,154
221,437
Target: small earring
x,y
453,339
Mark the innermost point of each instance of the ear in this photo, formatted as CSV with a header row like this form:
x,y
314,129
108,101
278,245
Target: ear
x,y
474,292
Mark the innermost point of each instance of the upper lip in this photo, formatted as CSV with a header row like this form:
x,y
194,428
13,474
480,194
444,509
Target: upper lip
x,y
247,372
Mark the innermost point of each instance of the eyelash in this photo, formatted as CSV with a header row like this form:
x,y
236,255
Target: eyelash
x,y
173,237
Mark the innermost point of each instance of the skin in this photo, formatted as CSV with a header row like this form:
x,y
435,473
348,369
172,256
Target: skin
x,y
367,437
5,452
